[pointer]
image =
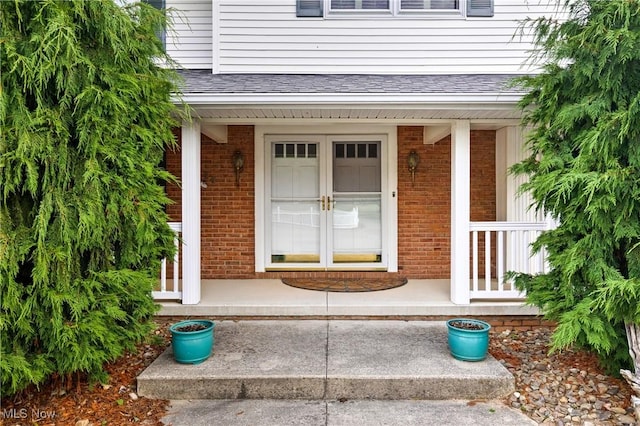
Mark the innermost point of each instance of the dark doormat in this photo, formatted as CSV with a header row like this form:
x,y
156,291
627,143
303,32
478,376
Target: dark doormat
x,y
346,285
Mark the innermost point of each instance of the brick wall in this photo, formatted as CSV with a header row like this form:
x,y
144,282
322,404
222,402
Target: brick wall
x,y
227,221
424,206
228,234
228,237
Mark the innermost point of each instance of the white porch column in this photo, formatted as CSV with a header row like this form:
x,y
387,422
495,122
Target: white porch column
x,y
191,212
460,211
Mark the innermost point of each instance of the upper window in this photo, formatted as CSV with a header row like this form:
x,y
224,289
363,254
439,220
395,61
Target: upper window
x,y
392,7
159,4
354,8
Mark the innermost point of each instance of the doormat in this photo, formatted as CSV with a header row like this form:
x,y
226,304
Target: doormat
x,y
346,285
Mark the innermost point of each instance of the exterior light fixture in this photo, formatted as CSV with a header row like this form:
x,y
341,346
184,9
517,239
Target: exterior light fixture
x,y
238,165
412,160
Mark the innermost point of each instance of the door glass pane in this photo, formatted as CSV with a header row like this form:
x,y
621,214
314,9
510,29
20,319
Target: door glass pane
x,y
295,229
356,203
295,206
357,228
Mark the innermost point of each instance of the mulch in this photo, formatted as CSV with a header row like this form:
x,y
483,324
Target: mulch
x,y
74,401
346,285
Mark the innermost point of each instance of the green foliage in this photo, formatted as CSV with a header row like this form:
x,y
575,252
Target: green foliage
x,y
86,116
584,170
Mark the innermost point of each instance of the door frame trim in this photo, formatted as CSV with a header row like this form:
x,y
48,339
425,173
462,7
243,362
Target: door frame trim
x,y
390,165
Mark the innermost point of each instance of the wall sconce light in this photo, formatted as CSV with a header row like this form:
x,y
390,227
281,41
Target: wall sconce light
x,y
238,165
412,160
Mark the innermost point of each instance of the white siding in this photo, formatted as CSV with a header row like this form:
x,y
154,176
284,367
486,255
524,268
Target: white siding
x,y
265,36
191,41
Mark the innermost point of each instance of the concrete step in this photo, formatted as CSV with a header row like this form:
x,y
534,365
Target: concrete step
x,y
272,412
327,360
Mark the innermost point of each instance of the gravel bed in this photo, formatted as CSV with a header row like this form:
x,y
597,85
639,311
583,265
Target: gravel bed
x,y
562,388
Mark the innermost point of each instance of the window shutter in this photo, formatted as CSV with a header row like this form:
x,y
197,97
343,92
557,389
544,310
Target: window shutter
x,y
309,8
482,8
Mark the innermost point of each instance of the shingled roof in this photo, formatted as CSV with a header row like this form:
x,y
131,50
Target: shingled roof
x,y
203,81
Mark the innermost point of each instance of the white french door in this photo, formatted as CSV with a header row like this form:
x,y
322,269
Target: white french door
x,y
324,196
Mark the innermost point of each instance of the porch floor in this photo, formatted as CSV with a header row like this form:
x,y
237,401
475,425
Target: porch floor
x,y
272,298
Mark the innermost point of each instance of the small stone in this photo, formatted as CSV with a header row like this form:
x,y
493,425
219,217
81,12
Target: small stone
x,y
563,400
618,410
106,387
604,415
133,396
626,420
602,388
516,394
613,390
84,422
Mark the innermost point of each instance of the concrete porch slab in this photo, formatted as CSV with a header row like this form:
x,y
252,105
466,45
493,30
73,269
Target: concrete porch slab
x,y
270,297
325,360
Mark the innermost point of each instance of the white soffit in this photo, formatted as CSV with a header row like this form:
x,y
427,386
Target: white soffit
x,y
378,107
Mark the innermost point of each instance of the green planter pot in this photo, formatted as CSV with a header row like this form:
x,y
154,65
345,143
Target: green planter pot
x,y
192,347
468,345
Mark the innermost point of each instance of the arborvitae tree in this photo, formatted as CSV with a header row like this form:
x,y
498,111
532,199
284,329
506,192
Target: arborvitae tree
x,y
584,170
85,111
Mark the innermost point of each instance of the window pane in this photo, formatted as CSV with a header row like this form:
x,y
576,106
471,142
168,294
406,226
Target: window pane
x,y
362,150
373,150
343,4
351,150
375,4
339,150
302,150
279,150
291,149
312,151
360,4
428,4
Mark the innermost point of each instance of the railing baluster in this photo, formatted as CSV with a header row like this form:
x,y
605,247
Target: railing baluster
x,y
475,260
163,275
176,264
174,292
487,260
513,251
500,259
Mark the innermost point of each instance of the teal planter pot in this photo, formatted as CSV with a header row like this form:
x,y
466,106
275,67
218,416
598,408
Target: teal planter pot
x,y
192,347
468,339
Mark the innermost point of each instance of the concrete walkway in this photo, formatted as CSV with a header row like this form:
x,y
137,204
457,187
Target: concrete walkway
x,y
348,413
319,372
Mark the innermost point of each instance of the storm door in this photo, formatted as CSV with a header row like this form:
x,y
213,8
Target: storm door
x,y
325,203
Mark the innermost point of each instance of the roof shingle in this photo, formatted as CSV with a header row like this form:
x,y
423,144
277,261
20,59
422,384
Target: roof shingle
x,y
203,81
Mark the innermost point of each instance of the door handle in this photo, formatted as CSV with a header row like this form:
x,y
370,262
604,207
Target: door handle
x,y
323,202
328,203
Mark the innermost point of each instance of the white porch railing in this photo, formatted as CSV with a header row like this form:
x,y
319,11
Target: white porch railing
x,y
506,247
173,291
